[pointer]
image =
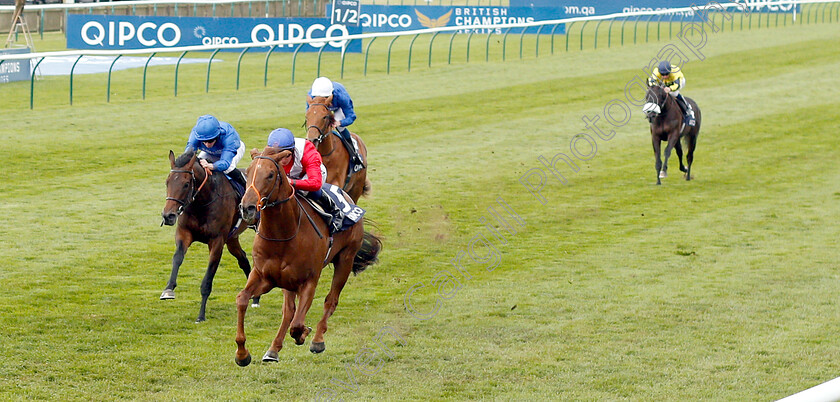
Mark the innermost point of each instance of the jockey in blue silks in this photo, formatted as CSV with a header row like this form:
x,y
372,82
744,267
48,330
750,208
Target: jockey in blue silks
x,y
220,146
342,108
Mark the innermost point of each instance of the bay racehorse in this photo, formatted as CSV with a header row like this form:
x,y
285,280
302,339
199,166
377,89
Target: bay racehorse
x,y
666,124
204,204
319,127
290,250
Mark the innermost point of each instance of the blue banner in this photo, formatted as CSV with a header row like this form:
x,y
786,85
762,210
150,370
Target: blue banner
x,y
85,31
602,7
15,70
376,18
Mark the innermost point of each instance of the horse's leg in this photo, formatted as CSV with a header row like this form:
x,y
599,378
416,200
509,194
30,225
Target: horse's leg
x,y
256,286
235,249
299,331
671,141
183,240
288,313
656,151
216,247
689,155
343,266
678,148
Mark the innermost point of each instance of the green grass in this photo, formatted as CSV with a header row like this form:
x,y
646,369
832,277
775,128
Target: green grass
x,y
721,288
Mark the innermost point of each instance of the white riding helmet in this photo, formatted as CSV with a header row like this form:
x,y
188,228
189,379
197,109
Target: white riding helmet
x,y
322,86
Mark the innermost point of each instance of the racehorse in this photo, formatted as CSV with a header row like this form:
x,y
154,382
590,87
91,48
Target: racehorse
x,y
290,250
205,208
319,120
666,124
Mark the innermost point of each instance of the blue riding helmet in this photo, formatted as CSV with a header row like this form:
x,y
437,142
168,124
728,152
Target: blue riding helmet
x,y
281,138
664,67
207,128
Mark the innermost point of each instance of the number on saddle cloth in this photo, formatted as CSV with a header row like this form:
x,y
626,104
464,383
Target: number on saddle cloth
x,y
352,213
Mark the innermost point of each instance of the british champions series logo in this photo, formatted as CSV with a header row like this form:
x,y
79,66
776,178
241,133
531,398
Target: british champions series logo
x,y
427,22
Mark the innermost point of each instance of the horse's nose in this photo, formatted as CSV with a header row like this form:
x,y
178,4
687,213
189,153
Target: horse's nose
x,y
248,212
169,218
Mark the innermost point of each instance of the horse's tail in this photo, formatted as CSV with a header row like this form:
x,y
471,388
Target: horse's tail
x,y
368,253
366,188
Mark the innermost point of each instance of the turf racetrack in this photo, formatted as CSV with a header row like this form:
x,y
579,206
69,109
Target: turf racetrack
x,y
721,288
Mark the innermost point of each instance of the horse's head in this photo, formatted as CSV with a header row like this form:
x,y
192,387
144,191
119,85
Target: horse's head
x,y
267,182
319,119
655,99
181,186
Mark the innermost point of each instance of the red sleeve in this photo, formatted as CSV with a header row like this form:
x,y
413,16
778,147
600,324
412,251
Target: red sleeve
x,y
311,161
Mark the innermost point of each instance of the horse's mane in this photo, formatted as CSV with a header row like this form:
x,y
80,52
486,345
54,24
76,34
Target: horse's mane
x,y
182,159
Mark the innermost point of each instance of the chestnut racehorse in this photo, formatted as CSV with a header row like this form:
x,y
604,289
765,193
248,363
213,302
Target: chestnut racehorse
x,y
319,120
666,124
204,206
291,248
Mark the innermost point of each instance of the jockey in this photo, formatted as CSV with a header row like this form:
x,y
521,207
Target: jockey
x,y
306,172
342,107
673,79
220,146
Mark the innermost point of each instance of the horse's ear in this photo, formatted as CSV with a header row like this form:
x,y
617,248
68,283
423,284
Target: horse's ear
x,y
192,160
172,159
254,153
308,100
328,101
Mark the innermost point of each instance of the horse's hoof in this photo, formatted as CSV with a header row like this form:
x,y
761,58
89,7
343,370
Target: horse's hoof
x,y
167,294
255,304
244,362
302,339
663,174
270,356
199,320
317,347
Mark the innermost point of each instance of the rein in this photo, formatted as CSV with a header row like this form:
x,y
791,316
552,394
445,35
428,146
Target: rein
x,y
193,194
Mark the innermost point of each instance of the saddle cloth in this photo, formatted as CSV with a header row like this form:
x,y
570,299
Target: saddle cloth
x,y
352,213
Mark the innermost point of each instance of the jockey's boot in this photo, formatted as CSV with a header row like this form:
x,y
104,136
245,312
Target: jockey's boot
x,y
689,112
237,176
329,207
356,163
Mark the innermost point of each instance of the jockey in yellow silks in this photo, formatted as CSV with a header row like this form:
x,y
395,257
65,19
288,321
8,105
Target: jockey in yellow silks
x,y
673,79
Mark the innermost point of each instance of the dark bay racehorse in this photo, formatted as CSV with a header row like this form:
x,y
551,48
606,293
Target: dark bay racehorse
x,y
291,248
319,119
205,207
666,124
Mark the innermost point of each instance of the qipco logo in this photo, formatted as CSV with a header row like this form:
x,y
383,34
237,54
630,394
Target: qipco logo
x,y
148,33
265,33
219,40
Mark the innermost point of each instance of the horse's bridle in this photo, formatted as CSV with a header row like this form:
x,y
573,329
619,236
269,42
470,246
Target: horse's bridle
x,y
650,115
262,202
322,134
193,192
